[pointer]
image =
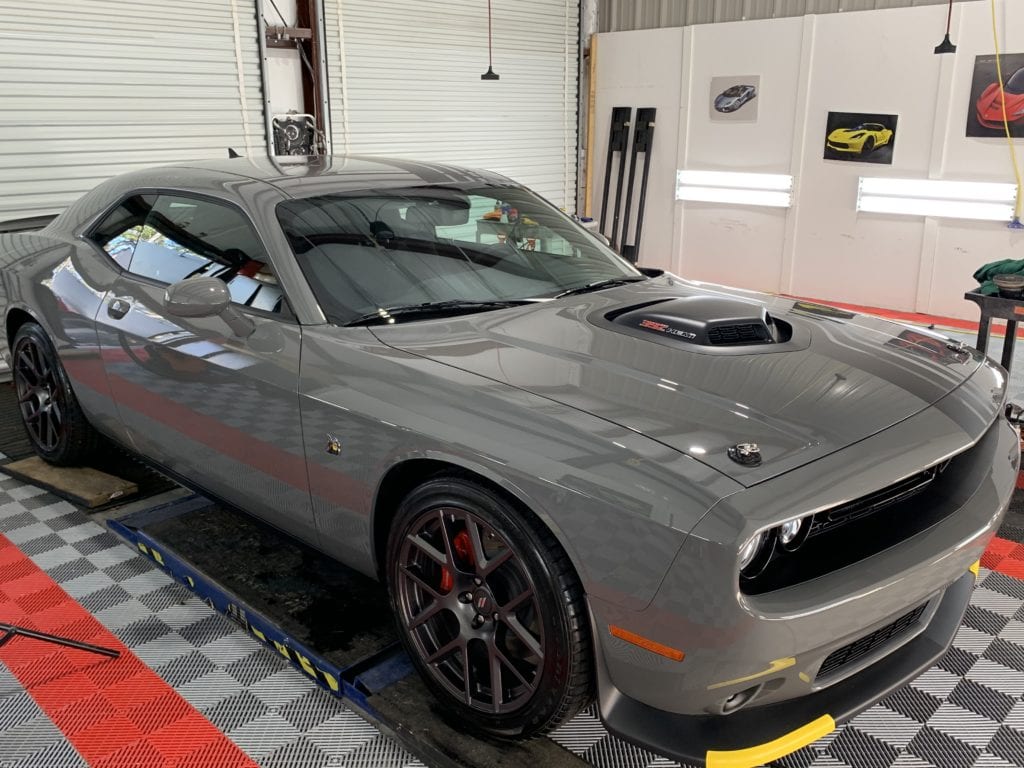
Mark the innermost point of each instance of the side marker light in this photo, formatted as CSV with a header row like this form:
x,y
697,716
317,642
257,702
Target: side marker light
x,y
646,643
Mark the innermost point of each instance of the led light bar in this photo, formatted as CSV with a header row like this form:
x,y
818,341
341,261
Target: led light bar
x,y
739,188
987,201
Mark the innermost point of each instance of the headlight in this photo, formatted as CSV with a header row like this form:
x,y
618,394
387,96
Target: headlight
x,y
789,530
750,550
762,548
793,533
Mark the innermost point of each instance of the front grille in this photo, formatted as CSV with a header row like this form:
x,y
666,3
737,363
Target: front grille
x,y
858,529
839,144
858,649
747,333
875,502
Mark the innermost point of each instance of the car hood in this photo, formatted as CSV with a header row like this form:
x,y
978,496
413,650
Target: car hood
x,y
991,106
841,377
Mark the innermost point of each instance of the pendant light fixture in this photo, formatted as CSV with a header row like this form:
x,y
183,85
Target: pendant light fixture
x,y
490,74
946,46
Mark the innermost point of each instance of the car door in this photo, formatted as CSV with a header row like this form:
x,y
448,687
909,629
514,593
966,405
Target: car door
x,y
213,402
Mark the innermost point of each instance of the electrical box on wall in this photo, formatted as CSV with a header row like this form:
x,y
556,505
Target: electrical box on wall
x,y
294,134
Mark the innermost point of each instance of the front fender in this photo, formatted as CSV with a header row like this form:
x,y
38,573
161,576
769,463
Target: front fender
x,y
619,503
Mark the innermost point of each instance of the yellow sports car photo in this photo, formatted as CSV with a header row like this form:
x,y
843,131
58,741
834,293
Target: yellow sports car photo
x,y
861,139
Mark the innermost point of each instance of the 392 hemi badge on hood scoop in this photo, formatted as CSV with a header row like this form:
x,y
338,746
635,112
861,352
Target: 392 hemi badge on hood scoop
x,y
653,325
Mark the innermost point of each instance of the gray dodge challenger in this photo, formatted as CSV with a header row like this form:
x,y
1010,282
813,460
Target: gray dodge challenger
x,y
735,519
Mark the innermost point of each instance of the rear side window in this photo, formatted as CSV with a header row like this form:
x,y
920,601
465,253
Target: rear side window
x,y
120,231
187,237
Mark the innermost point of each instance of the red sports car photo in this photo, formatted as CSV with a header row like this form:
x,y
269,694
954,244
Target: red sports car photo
x,y
989,108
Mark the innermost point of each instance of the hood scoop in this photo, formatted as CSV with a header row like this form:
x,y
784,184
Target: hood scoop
x,y
703,321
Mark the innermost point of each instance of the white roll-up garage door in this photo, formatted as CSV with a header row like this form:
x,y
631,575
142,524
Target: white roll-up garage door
x,y
404,80
93,88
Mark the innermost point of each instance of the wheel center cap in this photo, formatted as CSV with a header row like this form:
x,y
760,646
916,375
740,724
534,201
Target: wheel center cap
x,y
483,603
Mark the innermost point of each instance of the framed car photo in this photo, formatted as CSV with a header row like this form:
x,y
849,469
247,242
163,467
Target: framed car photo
x,y
734,99
985,111
860,137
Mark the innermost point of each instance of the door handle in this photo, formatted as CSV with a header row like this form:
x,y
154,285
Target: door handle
x,y
118,308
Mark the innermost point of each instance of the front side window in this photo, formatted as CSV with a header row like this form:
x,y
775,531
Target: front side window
x,y
376,250
187,237
119,232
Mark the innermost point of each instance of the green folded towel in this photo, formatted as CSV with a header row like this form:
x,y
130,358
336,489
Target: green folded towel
x,y
985,273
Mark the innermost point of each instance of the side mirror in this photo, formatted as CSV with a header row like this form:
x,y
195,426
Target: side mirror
x,y
197,297
206,297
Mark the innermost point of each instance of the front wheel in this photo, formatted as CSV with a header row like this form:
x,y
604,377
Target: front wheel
x,y
53,419
869,146
489,608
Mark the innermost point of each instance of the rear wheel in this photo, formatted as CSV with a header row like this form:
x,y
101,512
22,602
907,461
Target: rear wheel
x,y
53,419
489,608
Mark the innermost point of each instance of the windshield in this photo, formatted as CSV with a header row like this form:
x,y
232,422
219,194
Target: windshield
x,y
1015,84
374,250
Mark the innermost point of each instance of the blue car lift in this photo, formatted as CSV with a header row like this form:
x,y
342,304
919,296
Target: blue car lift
x,y
381,686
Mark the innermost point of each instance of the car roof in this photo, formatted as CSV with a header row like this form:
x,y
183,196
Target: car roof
x,y
301,175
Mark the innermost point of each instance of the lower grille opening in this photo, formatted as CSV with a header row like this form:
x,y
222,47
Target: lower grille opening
x,y
862,647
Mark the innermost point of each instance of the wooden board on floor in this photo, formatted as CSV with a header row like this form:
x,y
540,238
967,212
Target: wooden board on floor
x,y
84,486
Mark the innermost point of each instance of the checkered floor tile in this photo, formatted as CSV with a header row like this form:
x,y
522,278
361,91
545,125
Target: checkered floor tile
x,y
968,710
265,707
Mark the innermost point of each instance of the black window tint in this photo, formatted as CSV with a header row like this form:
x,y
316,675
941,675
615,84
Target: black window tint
x,y
187,237
1015,84
365,251
118,233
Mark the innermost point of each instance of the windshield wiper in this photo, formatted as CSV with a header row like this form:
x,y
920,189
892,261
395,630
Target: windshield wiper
x,y
387,315
599,284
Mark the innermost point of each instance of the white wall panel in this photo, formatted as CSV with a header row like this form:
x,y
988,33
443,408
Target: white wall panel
x,y
404,81
718,249
93,88
641,69
874,62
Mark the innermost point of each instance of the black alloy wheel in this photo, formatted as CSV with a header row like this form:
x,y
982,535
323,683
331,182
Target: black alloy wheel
x,y
869,145
56,426
489,608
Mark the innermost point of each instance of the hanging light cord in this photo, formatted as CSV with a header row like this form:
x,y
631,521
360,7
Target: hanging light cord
x,y
949,17
1006,122
490,55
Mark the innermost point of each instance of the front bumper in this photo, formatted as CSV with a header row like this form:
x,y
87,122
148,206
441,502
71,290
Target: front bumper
x,y
852,149
772,647
758,735
996,123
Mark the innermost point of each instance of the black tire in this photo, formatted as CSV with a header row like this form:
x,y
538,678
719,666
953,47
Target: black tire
x,y
519,579
50,413
869,146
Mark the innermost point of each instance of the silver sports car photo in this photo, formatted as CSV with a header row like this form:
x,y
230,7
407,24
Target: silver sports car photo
x,y
734,519
735,97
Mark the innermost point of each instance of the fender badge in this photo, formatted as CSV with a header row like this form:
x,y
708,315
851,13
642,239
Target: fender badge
x,y
333,445
747,454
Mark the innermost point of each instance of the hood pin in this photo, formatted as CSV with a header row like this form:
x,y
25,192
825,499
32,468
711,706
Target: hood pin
x,y
747,454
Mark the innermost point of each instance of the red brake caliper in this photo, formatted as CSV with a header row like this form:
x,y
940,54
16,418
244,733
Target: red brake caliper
x,y
464,551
